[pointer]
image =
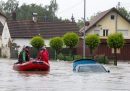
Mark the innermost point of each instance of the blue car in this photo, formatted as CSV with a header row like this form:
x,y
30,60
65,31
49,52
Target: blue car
x,y
88,65
90,68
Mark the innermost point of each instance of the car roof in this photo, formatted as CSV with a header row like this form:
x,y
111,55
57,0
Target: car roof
x,y
90,68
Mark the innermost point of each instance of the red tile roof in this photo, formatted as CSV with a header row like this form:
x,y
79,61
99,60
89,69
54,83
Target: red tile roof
x,y
28,29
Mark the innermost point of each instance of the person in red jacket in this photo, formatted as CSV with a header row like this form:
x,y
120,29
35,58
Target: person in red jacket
x,y
43,55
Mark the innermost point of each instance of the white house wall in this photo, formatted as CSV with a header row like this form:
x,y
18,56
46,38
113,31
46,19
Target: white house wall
x,y
26,42
3,20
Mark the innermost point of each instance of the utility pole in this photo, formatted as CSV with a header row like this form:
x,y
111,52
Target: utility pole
x,y
54,2
84,29
116,22
116,28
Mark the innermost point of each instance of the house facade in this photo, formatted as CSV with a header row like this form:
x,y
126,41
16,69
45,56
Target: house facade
x,y
5,38
105,23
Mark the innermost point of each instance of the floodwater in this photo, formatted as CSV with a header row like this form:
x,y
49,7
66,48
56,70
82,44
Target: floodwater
x,y
62,78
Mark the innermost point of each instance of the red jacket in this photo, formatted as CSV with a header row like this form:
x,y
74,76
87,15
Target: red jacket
x,y
43,56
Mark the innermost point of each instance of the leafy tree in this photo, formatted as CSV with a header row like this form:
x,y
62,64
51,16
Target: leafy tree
x,y
80,23
124,12
56,43
37,42
8,7
24,12
92,41
115,41
70,40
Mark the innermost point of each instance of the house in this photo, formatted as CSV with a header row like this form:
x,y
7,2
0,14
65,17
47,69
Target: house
x,y
105,23
22,31
5,38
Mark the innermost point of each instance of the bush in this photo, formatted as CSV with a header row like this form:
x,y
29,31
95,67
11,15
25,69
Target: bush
x,y
68,58
77,57
60,56
102,59
92,41
37,42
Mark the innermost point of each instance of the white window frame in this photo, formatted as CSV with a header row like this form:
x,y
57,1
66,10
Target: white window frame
x,y
105,32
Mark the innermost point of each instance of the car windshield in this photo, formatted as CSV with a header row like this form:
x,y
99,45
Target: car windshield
x,y
91,68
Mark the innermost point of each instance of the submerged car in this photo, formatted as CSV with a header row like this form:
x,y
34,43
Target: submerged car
x,y
90,68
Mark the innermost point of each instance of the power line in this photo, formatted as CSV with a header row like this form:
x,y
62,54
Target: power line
x,y
72,7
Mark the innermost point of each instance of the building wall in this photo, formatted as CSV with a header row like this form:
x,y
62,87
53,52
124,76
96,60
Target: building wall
x,y
26,41
107,23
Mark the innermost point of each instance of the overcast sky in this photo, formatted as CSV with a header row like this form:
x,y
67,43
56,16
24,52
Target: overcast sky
x,y
76,7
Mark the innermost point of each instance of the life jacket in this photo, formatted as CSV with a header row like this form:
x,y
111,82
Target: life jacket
x,y
22,56
43,56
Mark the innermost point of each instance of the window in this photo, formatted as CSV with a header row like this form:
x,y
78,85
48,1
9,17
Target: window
x,y
124,32
112,17
97,32
105,32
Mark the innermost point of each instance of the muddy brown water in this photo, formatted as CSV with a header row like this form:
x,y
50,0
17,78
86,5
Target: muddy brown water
x,y
62,78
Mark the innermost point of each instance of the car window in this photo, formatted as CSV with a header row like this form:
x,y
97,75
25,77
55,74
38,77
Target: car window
x,y
91,68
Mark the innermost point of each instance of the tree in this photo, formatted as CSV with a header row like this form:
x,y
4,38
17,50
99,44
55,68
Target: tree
x,y
124,12
80,23
8,7
92,41
24,12
70,40
57,44
37,42
115,41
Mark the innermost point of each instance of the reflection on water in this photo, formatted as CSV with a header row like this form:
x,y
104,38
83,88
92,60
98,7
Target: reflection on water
x,y
62,78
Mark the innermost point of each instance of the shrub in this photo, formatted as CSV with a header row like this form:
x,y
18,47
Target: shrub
x,y
60,56
92,41
68,58
37,42
56,43
77,57
102,59
70,39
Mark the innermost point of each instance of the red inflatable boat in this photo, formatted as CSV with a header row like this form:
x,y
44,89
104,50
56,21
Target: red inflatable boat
x,y
32,65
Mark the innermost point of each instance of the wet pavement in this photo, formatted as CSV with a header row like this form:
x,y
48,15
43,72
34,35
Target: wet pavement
x,y
62,78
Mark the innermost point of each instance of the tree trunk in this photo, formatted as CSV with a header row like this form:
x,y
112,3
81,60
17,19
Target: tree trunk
x,y
55,55
115,55
91,53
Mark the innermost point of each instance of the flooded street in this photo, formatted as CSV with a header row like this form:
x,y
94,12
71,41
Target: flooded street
x,y
62,78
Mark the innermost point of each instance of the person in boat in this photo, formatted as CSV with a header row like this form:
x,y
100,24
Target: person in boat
x,y
43,55
24,55
27,53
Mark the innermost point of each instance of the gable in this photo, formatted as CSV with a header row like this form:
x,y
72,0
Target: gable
x,y
101,16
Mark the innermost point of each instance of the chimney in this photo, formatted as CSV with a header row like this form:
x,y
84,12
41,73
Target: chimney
x,y
87,23
14,15
72,18
34,18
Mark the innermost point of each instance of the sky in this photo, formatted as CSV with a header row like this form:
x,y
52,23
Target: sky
x,y
76,7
